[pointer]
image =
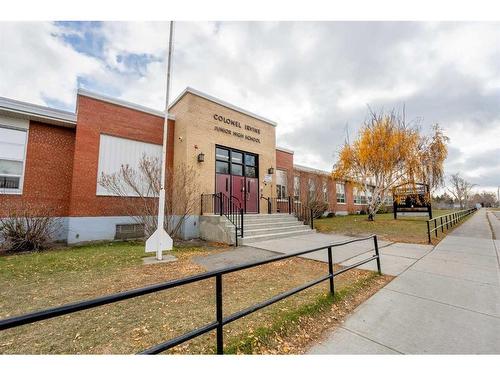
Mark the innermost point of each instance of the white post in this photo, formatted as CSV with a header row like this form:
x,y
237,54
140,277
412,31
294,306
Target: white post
x,y
160,240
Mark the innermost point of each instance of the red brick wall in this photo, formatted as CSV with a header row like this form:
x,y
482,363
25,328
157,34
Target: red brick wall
x,y
332,192
48,170
284,161
94,118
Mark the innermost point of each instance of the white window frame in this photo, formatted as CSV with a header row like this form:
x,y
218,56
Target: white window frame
x,y
359,197
281,190
18,125
296,188
311,189
340,196
325,191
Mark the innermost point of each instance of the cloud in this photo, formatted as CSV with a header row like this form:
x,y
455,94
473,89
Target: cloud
x,y
314,78
37,66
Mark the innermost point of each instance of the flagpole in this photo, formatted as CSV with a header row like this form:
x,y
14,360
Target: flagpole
x,y
160,240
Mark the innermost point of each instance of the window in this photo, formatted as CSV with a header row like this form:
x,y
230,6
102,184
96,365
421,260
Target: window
x,y
340,193
115,152
325,191
237,169
222,154
237,163
359,196
369,195
236,157
312,190
388,200
12,153
250,172
250,160
281,184
222,167
296,188
129,231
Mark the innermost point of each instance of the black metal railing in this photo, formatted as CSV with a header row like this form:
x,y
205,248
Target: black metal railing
x,y
220,319
223,205
448,221
279,205
290,206
303,213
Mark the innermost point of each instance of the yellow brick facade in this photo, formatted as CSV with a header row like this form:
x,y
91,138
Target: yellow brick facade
x,y
195,133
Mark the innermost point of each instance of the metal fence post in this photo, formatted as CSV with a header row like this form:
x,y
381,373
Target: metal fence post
x,y
442,227
429,231
435,228
330,270
221,204
241,215
218,308
312,218
375,242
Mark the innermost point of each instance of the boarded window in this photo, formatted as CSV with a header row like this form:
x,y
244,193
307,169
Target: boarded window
x,y
129,231
115,152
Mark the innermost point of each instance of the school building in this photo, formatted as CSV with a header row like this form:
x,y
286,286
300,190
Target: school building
x,y
54,159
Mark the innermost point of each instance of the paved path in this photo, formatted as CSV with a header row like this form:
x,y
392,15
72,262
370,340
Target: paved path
x,y
448,302
395,257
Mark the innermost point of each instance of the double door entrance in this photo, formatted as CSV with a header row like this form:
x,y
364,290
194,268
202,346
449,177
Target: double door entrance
x,y
236,176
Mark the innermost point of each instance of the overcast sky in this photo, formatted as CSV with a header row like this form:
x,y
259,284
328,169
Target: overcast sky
x,y
315,79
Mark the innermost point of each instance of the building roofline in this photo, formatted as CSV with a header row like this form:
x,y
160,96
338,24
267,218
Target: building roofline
x,y
303,168
222,103
123,103
37,112
287,150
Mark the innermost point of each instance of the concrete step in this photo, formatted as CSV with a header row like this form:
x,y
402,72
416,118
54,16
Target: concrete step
x,y
271,236
268,218
278,224
254,232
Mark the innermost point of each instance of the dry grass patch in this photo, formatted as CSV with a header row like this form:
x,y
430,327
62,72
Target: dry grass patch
x,y
404,229
40,280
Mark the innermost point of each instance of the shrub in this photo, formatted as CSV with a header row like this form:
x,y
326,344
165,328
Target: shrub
x,y
318,208
28,228
382,210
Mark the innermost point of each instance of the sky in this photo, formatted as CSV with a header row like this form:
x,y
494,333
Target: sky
x,y
315,79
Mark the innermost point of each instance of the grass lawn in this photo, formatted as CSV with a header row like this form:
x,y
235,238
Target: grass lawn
x,y
46,279
404,229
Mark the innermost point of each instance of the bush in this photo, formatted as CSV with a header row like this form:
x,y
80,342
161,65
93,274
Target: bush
x,y
318,208
28,229
382,210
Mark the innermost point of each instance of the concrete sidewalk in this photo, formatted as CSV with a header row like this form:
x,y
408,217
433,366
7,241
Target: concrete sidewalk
x,y
447,302
395,257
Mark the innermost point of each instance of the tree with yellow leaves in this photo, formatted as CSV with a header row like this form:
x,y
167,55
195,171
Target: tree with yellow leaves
x,y
389,152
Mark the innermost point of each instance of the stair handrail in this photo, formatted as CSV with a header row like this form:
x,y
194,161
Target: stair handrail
x,y
268,203
227,206
302,212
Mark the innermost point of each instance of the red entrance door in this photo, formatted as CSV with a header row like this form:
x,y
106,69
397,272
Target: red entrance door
x,y
223,186
252,195
238,190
